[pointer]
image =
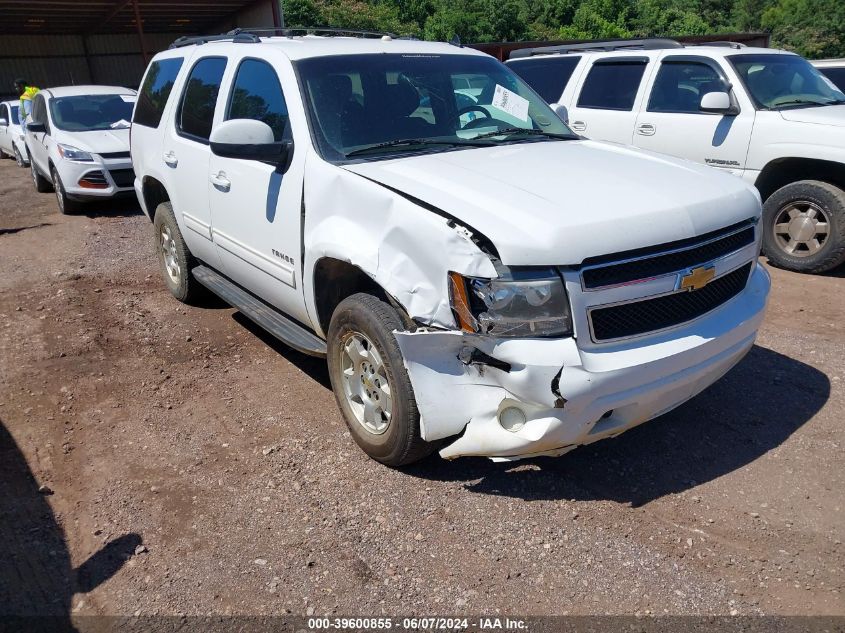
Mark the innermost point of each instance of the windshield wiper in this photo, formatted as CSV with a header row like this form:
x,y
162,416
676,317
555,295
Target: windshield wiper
x,y
511,131
793,102
416,141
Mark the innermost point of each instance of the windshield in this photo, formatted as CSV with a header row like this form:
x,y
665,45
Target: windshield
x,y
785,81
378,105
15,119
92,112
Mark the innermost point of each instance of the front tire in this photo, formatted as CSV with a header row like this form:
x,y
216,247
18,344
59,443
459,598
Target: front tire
x,y
370,381
804,227
174,258
42,185
66,205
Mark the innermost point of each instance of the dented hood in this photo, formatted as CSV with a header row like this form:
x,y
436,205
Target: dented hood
x,y
559,202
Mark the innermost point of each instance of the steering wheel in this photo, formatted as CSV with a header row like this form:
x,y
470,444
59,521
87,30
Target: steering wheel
x,y
467,110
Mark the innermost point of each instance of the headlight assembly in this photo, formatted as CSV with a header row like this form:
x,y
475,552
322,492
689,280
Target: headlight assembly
x,y
520,303
69,152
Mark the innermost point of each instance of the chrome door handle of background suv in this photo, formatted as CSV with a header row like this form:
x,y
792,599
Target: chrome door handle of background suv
x,y
220,182
646,129
579,126
170,159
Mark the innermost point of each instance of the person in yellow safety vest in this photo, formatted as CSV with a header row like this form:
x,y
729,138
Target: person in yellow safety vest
x,y
27,93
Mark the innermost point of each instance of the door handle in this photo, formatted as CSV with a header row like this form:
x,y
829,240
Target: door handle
x,y
220,182
646,129
170,159
579,126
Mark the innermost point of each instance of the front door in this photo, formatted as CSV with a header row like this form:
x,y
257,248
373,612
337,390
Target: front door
x,y
256,209
38,143
672,122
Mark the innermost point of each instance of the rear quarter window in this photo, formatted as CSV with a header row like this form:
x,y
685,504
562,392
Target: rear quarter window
x,y
155,91
548,76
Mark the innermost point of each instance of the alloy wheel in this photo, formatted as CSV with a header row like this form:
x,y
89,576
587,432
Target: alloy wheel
x,y
801,228
168,251
365,383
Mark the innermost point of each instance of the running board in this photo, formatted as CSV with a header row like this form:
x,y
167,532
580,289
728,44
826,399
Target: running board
x,y
260,313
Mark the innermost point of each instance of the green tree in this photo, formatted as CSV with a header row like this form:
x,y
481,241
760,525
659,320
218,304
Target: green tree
x,y
813,28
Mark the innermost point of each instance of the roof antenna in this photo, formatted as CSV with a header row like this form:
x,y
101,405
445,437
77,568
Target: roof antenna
x,y
456,41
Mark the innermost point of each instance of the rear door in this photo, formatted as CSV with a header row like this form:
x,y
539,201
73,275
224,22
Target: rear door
x,y
256,207
672,122
186,154
608,97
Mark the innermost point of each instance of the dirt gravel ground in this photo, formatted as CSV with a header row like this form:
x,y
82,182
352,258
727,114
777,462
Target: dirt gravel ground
x,y
198,467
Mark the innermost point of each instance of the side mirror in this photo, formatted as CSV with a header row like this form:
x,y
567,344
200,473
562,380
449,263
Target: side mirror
x,y
718,103
4,123
36,128
248,139
561,112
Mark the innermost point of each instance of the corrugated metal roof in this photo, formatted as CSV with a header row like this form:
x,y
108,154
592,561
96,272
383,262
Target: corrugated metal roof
x,y
117,16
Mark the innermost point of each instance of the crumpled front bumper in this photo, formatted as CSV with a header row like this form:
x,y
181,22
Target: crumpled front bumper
x,y
568,395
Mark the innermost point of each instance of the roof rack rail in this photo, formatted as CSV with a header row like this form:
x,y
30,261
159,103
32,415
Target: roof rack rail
x,y
725,43
288,31
647,44
235,36
252,35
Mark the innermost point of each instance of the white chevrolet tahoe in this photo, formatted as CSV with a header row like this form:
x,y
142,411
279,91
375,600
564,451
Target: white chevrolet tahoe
x,y
765,115
481,280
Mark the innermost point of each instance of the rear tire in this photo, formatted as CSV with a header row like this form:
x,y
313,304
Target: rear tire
x,y
370,381
66,205
804,227
174,258
42,185
19,158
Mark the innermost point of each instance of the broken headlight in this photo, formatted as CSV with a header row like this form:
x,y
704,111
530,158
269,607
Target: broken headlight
x,y
520,303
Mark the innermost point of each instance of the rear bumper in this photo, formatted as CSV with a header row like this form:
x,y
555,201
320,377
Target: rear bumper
x,y
570,396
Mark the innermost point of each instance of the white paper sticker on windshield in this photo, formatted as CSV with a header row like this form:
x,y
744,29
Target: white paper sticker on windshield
x,y
510,102
128,98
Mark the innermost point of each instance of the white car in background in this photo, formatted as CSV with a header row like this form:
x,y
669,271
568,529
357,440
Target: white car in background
x,y
78,143
833,69
11,135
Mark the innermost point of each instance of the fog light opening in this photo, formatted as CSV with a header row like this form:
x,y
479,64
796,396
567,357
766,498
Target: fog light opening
x,y
512,419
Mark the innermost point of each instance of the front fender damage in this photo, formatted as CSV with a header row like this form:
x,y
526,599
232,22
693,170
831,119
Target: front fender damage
x,y
406,249
451,392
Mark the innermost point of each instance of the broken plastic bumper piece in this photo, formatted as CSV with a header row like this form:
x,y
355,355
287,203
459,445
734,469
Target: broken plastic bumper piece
x,y
515,398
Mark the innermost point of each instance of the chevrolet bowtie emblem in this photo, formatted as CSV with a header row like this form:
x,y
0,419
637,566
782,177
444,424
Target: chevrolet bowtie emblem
x,y
697,278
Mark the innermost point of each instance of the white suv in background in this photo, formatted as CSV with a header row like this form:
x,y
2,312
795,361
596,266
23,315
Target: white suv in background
x,y
11,134
765,115
490,286
78,143
833,69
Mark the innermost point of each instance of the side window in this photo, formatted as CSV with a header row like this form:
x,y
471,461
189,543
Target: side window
x,y
548,76
836,75
155,91
612,85
257,94
196,111
39,110
679,86
4,114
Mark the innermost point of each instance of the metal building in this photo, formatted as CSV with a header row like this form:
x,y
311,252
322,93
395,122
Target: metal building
x,y
65,42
